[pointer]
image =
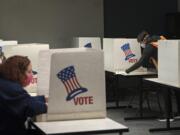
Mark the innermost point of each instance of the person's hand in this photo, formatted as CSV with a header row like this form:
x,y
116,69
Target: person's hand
x,y
126,71
46,99
46,104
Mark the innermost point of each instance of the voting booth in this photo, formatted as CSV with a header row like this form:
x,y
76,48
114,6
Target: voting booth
x,y
10,42
87,42
5,43
76,87
30,50
169,61
120,54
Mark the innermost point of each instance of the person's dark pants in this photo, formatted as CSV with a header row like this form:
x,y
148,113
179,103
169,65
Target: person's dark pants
x,y
177,94
33,132
168,101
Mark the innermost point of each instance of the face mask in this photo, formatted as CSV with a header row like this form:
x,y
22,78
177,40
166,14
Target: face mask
x,y
143,45
28,80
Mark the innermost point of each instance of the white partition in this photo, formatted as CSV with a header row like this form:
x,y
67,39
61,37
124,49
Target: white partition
x,y
76,87
30,50
169,61
11,42
87,42
120,54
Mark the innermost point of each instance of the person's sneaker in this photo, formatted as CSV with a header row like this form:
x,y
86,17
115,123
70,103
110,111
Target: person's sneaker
x,y
164,120
177,116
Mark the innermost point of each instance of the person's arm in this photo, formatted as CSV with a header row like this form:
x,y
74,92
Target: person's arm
x,y
19,103
147,52
36,105
154,62
40,98
136,65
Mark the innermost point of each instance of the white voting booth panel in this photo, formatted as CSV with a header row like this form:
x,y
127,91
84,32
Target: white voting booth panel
x,y
30,50
87,42
120,54
77,84
44,68
169,61
11,42
6,43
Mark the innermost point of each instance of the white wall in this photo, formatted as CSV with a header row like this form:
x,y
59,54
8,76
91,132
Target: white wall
x,y
50,21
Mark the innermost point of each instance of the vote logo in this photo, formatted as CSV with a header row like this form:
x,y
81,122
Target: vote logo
x,y
72,86
129,55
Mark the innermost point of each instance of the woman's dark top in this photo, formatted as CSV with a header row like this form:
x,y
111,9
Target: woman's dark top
x,y
15,106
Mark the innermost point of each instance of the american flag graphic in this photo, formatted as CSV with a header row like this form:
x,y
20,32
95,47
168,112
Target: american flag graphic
x,y
127,51
70,81
88,45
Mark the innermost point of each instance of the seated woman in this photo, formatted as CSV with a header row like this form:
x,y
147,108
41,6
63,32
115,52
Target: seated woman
x,y
15,103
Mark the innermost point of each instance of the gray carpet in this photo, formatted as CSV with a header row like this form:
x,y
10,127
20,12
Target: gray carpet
x,y
140,127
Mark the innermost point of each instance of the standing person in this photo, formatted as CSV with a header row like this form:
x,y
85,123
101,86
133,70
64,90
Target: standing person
x,y
15,103
149,54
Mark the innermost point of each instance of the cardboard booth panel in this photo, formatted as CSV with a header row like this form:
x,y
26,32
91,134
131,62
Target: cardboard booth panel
x,y
30,50
3,43
77,85
120,54
108,54
126,53
44,73
169,61
88,42
44,68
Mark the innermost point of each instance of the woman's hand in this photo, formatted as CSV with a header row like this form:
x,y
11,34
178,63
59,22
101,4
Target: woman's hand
x,y
46,99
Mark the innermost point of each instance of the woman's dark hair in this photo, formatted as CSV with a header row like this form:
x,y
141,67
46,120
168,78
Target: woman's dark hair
x,y
141,36
14,68
152,38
